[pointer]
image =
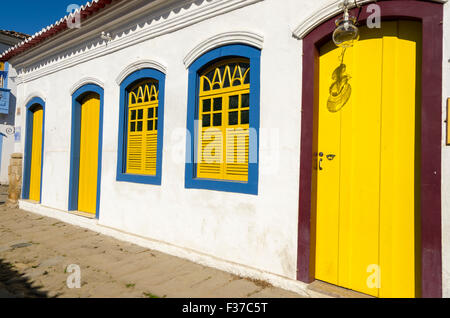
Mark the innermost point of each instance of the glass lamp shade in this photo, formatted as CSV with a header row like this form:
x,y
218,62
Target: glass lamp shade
x,y
346,32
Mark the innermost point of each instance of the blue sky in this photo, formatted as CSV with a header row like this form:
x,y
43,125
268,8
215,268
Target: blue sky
x,y
31,16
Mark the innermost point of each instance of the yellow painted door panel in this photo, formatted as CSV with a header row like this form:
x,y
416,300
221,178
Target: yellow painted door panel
x,y
36,155
367,144
327,246
400,169
89,139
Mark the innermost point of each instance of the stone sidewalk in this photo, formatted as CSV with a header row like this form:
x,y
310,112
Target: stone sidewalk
x,y
35,252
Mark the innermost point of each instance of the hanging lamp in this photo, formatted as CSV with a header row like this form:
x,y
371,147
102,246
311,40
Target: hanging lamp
x,y
346,32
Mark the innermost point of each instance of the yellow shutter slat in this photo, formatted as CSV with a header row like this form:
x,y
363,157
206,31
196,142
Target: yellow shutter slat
x,y
210,165
236,165
150,154
134,157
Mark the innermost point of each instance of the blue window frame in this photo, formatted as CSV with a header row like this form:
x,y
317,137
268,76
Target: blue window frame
x,y
127,84
5,93
77,98
207,59
30,107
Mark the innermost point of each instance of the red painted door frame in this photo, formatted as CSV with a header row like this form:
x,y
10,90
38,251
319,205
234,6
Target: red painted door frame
x,y
431,16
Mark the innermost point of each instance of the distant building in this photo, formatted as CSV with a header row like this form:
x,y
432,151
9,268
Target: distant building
x,y
7,102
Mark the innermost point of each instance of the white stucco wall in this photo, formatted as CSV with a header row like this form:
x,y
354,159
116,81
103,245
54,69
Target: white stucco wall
x,y
7,151
255,231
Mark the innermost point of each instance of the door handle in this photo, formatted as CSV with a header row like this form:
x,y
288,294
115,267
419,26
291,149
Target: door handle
x,y
320,160
330,157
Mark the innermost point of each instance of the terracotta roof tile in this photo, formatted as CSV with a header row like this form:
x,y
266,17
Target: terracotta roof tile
x,y
15,34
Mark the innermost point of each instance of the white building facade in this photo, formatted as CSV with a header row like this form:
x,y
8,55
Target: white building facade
x,y
257,227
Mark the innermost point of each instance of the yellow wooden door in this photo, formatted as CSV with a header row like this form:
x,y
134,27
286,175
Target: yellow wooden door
x,y
36,155
368,158
89,141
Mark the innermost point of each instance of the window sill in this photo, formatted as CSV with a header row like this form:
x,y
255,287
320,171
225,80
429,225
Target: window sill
x,y
136,178
222,185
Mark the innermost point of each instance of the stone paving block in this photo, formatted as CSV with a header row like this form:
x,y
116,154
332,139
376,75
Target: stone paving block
x,y
192,285
238,288
271,293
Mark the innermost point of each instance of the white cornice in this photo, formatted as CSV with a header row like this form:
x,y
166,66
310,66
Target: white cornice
x,y
331,9
33,95
174,20
84,81
138,66
113,15
244,37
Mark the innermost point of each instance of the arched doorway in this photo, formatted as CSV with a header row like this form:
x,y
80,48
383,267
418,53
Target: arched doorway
x,y
86,150
426,264
34,145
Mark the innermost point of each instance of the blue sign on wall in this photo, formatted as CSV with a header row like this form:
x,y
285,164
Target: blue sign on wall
x,y
4,100
17,134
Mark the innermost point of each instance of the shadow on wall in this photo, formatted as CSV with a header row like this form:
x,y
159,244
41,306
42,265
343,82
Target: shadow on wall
x,y
15,285
340,89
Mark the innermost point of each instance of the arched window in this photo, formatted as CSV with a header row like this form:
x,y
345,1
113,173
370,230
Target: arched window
x,y
140,129
223,120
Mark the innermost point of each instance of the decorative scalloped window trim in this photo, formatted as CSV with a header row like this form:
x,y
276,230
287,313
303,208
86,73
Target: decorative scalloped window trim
x,y
85,81
235,37
130,69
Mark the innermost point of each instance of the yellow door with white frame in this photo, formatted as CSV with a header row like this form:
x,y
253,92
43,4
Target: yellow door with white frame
x,y
36,155
89,141
368,162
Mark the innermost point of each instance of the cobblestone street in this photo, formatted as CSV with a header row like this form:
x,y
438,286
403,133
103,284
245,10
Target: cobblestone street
x,y
35,252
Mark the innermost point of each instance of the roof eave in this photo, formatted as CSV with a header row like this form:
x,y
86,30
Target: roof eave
x,y
85,12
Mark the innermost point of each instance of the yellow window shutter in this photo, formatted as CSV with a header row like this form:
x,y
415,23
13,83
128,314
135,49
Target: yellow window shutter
x,y
143,129
237,154
134,162
224,121
151,147
211,154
